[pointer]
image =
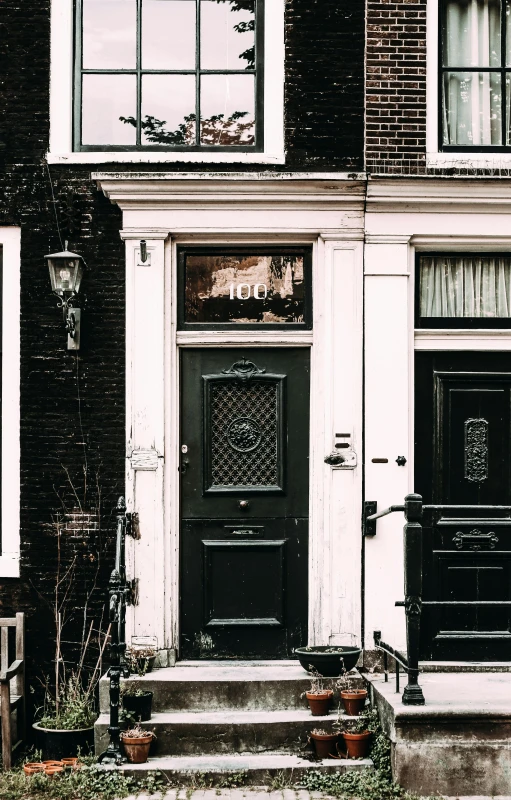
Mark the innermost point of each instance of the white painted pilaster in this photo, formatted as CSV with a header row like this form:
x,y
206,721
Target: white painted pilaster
x,y
145,434
388,429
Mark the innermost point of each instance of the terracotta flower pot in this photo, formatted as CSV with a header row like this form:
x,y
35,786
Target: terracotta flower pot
x,y
52,771
137,749
33,767
324,744
357,744
71,763
319,703
353,701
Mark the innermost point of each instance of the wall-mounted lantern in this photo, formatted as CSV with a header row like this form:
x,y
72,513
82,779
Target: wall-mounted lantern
x,y
66,273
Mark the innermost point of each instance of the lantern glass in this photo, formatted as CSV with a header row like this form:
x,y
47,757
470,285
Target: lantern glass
x,y
65,275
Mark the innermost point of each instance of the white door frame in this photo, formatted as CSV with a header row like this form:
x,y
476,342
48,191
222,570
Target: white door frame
x,y
325,211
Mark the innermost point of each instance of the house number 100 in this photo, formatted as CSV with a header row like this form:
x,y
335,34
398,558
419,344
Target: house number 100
x,y
244,290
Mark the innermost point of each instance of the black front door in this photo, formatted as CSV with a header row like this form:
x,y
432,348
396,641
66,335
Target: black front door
x,y
463,465
244,501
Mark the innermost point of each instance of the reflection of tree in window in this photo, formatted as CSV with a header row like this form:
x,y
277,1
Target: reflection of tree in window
x,y
219,129
216,130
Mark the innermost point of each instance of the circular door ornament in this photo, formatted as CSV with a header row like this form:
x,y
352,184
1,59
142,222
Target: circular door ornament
x,y
244,434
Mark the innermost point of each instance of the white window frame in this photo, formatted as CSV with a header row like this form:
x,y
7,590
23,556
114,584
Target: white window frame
x,y
434,157
61,100
10,240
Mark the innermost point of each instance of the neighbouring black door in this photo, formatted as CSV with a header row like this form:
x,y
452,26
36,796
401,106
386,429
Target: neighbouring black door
x,y
244,501
463,465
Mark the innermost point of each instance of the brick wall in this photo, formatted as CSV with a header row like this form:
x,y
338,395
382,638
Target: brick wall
x,y
396,86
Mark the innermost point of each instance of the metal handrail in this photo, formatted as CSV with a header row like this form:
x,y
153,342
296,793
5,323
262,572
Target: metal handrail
x,y
119,590
387,651
389,510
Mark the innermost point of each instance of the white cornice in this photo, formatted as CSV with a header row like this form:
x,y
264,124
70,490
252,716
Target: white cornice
x,y
461,195
168,190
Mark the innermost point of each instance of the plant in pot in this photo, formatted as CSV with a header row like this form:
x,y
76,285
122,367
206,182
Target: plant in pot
x,y
328,661
136,702
68,711
356,734
353,698
324,742
137,742
140,660
318,697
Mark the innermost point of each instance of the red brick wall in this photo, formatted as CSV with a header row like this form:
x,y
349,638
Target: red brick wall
x,y
396,87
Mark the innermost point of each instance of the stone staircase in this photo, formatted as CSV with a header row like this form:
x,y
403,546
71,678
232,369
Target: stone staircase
x,y
459,742
217,717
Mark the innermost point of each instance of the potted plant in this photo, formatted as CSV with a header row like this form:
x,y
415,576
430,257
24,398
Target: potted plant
x,y
353,698
140,659
324,742
356,735
318,697
328,661
136,742
136,702
65,720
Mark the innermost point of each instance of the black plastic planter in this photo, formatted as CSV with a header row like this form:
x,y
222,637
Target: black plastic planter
x,y
139,706
328,661
57,744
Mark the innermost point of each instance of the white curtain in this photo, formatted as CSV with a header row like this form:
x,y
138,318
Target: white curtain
x,y
465,286
472,99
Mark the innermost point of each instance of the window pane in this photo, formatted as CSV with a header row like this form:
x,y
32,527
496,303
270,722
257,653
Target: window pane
x,y
168,34
109,34
471,33
168,109
243,288
227,34
465,286
227,110
105,99
472,108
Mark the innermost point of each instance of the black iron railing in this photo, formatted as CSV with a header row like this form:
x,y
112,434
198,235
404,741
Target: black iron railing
x,y
119,592
412,694
413,602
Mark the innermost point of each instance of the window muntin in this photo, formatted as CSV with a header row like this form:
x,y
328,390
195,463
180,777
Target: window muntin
x,y
245,288
463,290
475,75
146,70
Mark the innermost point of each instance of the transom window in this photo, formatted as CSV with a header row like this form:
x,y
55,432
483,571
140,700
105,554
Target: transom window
x,y
463,290
475,69
168,74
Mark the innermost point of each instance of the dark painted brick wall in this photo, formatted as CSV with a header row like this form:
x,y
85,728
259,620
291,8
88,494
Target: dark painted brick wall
x,y
396,86
72,407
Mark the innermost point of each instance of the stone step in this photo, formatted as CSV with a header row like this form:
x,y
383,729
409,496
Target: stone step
x,y
188,733
266,769
457,743
249,686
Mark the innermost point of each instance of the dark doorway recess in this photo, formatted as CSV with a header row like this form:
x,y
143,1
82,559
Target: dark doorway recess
x,y
244,502
463,465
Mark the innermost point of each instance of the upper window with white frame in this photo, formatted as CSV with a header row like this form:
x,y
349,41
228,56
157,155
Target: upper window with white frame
x,y
475,75
184,75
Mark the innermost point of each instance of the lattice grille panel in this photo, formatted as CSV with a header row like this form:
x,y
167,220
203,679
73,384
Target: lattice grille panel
x,y
244,433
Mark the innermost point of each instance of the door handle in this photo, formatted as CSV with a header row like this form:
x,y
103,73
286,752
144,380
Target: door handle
x,y
184,466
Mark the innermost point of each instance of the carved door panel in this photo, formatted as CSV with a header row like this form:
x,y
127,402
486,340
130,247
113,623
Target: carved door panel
x,y
244,501
463,464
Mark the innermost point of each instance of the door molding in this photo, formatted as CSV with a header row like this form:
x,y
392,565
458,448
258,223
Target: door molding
x,y
326,213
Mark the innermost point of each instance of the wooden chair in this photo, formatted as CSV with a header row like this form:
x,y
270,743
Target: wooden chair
x,y
12,697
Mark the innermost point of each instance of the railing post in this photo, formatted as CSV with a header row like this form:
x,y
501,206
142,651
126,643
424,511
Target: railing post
x,y
117,599
412,694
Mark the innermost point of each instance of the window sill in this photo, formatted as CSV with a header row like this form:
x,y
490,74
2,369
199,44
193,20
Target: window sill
x,y
132,157
469,160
